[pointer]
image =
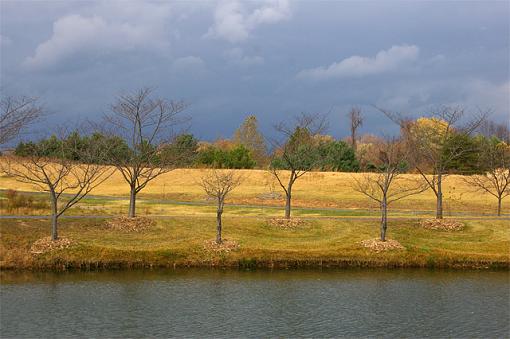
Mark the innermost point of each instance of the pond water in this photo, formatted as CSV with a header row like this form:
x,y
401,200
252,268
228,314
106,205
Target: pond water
x,y
212,303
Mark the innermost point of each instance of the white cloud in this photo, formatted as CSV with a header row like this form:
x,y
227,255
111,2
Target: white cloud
x,y
234,23
357,66
112,28
237,56
272,12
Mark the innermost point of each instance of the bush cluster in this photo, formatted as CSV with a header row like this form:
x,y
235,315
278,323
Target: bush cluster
x,y
14,200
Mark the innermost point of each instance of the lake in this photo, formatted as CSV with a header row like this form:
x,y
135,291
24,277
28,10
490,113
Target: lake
x,y
215,303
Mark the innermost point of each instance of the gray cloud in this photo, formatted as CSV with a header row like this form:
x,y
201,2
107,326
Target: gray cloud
x,y
358,66
189,66
403,56
4,41
237,56
112,28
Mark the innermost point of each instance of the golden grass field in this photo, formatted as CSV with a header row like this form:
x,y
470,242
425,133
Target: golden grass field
x,y
314,189
326,239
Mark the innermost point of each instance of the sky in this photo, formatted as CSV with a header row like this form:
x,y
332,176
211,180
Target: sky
x,y
274,59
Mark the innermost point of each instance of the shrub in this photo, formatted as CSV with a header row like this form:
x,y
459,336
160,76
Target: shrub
x,y
237,158
14,200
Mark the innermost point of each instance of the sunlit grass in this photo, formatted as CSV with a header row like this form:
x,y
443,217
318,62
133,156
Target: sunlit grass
x,y
179,241
314,190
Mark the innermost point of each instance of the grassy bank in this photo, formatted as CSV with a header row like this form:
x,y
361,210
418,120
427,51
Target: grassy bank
x,y
179,242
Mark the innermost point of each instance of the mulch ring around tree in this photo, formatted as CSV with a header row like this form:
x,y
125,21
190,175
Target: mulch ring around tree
x,y
285,223
45,245
377,245
226,246
136,224
442,224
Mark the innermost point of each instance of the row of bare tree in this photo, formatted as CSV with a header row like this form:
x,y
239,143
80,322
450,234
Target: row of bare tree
x,y
146,122
140,119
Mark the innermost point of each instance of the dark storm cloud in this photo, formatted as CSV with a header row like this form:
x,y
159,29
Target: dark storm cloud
x,y
274,58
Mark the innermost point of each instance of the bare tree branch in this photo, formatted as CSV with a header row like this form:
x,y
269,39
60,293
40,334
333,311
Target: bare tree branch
x,y
436,148
218,184
143,122
386,185
294,151
356,121
58,175
495,162
15,114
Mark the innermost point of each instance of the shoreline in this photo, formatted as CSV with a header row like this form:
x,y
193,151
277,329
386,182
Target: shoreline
x,y
257,264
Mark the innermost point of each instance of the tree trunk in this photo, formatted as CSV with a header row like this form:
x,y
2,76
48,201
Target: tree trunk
x,y
384,218
54,216
132,203
287,207
288,196
439,196
218,225
499,206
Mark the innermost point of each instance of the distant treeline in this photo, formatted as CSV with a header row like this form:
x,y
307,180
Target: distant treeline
x,y
247,150
187,151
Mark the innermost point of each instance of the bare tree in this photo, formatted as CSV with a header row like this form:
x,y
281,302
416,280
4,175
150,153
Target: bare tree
x,y
66,181
386,185
356,121
495,163
295,152
218,184
490,128
15,114
143,122
436,149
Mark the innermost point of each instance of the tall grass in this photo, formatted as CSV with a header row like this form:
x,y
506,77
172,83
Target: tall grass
x,y
15,202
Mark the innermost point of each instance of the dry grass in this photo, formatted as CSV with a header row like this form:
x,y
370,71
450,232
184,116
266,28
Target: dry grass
x,y
180,242
316,189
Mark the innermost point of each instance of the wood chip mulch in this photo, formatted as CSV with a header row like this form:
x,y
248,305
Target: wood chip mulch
x,y
285,223
379,246
136,224
442,224
270,196
226,246
45,245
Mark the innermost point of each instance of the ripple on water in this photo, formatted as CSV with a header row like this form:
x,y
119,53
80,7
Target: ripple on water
x,y
349,303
